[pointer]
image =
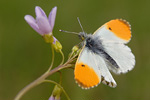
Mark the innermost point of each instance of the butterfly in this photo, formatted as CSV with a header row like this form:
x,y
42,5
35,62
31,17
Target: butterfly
x,y
103,51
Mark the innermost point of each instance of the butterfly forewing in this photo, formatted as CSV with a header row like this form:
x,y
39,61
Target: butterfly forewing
x,y
117,30
86,72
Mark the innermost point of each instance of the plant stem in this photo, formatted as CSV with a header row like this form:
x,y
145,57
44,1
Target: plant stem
x,y
62,57
42,78
70,55
50,81
36,82
52,62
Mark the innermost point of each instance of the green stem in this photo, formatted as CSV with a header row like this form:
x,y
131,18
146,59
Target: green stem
x,y
30,86
62,57
50,81
70,55
42,78
71,59
52,62
36,82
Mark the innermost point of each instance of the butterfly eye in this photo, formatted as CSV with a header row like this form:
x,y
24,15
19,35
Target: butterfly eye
x,y
89,40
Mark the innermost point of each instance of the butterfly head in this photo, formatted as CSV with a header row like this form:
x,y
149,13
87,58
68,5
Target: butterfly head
x,y
82,35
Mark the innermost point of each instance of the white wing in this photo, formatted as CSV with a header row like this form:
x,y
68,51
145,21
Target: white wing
x,y
98,64
114,35
122,55
106,75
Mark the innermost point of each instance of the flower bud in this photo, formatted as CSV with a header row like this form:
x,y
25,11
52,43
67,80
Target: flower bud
x,y
57,45
75,48
78,52
56,93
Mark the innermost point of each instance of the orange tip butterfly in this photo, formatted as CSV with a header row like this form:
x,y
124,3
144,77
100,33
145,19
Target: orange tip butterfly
x,y
102,52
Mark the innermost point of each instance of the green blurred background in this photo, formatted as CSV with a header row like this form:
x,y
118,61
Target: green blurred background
x,y
24,55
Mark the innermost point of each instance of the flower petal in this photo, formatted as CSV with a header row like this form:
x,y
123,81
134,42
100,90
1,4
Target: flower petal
x,y
32,22
39,12
43,25
52,17
51,98
54,40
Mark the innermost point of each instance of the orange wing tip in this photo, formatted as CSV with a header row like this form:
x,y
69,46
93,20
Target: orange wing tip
x,y
126,23
121,28
85,87
85,76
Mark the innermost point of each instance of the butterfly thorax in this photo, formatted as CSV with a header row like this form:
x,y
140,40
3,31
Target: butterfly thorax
x,y
93,43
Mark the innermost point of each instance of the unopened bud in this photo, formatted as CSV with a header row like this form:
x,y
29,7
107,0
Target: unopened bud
x,y
56,93
57,45
75,48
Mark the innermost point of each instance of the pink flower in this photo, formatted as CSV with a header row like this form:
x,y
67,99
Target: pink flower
x,y
42,24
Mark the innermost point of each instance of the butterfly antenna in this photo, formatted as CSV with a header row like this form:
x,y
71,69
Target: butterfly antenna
x,y
80,24
69,32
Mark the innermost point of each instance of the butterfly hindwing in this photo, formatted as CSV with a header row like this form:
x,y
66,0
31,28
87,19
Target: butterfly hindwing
x,y
105,73
122,55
